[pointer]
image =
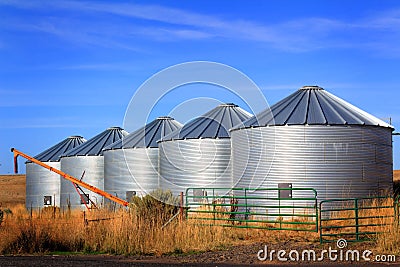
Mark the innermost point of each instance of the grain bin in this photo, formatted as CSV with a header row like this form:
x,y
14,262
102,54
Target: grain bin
x,y
42,185
131,164
198,155
314,139
87,161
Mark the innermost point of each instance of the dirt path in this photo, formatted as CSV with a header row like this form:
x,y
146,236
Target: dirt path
x,y
244,255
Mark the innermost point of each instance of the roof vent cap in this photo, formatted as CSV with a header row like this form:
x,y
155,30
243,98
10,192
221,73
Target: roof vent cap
x,y
311,87
231,105
164,118
114,128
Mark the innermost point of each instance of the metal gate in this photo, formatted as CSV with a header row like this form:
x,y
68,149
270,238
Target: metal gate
x,y
356,219
259,208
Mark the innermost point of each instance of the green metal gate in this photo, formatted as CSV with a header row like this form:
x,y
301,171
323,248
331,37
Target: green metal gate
x,y
356,219
259,208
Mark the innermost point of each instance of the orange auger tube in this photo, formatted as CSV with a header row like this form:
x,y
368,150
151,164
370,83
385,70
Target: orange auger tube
x,y
68,177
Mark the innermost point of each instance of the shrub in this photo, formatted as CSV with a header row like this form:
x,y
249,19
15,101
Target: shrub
x,y
157,207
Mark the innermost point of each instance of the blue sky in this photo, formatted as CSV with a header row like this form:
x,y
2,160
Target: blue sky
x,y
71,67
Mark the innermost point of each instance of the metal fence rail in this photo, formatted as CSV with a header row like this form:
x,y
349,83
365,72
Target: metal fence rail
x,y
356,219
296,209
259,208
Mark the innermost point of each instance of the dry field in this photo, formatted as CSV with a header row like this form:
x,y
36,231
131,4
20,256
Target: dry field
x,y
141,241
12,190
139,232
396,175
123,232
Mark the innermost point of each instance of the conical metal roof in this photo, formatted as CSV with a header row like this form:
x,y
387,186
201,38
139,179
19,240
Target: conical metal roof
x,y
213,124
95,145
147,136
54,152
312,105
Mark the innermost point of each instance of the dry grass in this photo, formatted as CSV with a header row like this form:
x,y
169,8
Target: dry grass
x,y
132,232
127,232
380,219
396,175
388,242
370,214
12,190
124,233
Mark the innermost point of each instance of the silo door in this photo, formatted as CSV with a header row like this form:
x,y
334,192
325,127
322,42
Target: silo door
x,y
47,201
84,198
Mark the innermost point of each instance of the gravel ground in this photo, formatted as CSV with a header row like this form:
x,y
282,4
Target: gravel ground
x,y
244,255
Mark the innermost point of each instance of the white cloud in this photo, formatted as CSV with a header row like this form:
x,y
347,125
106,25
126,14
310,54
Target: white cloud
x,y
378,33
168,34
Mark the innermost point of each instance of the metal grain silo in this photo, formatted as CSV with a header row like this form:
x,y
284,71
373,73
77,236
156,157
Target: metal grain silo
x,y
42,185
314,139
199,154
131,164
87,162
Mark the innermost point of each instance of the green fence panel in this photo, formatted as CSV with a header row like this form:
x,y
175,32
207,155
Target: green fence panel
x,y
254,208
356,219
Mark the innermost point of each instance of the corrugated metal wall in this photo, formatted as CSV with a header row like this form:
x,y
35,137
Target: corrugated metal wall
x,y
132,169
41,182
338,161
195,163
94,175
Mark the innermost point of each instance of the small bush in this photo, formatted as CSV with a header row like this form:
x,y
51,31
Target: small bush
x,y
157,207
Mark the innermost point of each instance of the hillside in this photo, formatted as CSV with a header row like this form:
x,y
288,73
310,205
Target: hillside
x,y
12,190
396,175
